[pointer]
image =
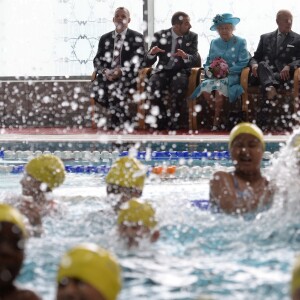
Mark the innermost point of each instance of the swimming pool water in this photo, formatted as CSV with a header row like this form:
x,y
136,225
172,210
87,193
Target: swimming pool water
x,y
198,253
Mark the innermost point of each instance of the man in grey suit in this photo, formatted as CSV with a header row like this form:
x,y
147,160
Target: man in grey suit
x,y
176,52
277,56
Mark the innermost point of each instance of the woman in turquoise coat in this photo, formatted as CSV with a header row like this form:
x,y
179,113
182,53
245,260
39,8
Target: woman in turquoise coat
x,y
233,50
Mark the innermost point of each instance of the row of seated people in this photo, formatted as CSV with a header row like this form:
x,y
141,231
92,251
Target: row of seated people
x,y
121,82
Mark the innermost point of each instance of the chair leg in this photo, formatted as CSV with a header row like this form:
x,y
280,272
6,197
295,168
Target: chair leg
x,y
141,115
244,84
195,116
245,108
94,126
192,114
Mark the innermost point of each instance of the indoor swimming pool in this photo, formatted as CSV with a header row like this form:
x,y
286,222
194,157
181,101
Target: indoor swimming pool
x,y
198,253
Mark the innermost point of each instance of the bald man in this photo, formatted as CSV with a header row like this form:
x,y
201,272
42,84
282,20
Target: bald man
x,y
119,57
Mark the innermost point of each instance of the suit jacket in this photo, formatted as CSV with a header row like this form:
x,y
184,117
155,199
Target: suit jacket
x,y
132,54
289,53
163,40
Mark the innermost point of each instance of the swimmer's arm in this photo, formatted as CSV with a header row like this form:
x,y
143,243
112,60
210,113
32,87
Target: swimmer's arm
x,y
271,189
222,193
36,231
21,294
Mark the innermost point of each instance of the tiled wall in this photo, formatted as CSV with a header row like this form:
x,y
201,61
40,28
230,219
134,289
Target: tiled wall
x,y
38,103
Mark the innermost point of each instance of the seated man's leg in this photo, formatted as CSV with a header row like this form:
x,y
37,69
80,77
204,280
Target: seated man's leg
x,y
121,100
100,93
107,94
121,108
177,103
116,101
267,76
157,85
100,90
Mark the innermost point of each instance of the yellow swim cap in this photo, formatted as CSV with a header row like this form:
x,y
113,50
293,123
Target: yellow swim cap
x,y
11,215
93,265
47,168
127,172
295,283
246,128
141,213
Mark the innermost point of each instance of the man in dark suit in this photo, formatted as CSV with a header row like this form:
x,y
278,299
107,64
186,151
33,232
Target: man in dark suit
x,y
273,66
277,56
120,55
176,51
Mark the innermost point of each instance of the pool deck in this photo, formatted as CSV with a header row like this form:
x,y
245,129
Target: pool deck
x,y
94,135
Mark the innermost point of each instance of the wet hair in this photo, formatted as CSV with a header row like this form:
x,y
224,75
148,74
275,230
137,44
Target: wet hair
x,y
123,8
283,12
177,18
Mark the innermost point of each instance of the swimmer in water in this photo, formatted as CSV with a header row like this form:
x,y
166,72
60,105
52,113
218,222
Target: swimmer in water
x,y
245,189
136,221
42,174
125,179
13,235
88,272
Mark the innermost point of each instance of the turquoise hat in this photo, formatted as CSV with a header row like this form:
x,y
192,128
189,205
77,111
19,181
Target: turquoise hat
x,y
224,19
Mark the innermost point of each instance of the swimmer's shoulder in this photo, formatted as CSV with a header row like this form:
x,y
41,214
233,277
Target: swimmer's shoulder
x,y
23,294
220,177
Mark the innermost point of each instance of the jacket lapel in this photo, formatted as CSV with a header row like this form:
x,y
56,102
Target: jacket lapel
x,y
273,43
185,42
112,44
169,41
126,42
273,39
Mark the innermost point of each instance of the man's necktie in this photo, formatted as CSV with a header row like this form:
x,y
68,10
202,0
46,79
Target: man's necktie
x,y
178,43
280,39
117,51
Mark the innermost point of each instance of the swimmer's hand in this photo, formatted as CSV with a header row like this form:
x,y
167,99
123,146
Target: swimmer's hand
x,y
36,231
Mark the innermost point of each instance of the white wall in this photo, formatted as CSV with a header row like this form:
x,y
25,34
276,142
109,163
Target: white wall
x,y
56,37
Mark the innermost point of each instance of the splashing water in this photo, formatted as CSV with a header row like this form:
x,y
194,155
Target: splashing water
x,y
199,252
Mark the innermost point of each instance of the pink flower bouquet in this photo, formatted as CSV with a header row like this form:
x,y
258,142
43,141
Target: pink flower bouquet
x,y
219,68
